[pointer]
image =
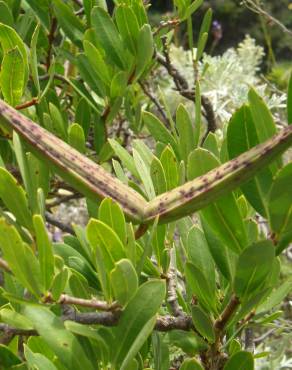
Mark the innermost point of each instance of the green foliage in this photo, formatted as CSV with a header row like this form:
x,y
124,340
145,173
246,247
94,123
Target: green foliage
x,y
172,263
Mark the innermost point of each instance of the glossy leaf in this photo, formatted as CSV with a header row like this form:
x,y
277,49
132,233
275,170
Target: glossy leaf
x,y
37,360
8,358
191,364
186,133
111,214
280,201
253,268
128,26
145,49
14,198
240,361
12,76
70,24
124,281
60,340
20,258
45,251
137,321
158,130
203,324
76,137
108,36
199,286
242,136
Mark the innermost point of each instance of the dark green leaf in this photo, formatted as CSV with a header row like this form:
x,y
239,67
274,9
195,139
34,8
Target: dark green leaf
x,y
61,341
137,321
253,268
203,324
108,36
191,364
240,361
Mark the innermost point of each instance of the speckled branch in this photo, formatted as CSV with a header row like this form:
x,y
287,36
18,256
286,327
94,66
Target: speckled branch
x,y
94,182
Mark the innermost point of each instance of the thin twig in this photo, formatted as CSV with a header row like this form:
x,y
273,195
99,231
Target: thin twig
x,y
227,314
64,199
91,303
33,101
155,101
251,5
51,220
163,323
182,87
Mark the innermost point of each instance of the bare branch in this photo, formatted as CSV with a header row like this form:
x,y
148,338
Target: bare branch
x,y
51,220
91,303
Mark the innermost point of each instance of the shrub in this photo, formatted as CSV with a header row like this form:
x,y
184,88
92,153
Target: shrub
x,y
181,255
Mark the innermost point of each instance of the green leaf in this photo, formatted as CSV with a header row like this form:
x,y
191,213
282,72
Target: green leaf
x,y
102,235
170,167
128,26
200,287
185,131
8,358
124,281
276,296
41,9
191,364
76,137
34,60
253,268
125,157
91,333
211,144
58,122
145,50
37,360
6,16
12,76
90,75
45,251
192,8
61,341
97,62
59,283
83,115
20,258
203,324
222,216
14,198
189,342
240,361
263,120
201,46
289,101
71,25
144,173
137,321
199,255
158,176
280,201
108,36
9,40
242,136
111,214
15,319
159,131
223,256
205,27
